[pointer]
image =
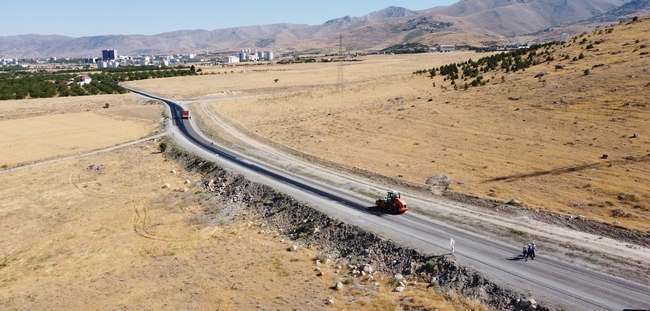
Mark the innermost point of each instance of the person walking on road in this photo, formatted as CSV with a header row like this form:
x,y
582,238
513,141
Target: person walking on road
x,y
453,243
525,255
532,251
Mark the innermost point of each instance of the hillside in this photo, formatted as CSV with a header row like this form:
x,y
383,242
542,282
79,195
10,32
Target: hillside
x,y
474,22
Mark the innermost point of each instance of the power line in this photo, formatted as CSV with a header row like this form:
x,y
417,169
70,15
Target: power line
x,y
339,78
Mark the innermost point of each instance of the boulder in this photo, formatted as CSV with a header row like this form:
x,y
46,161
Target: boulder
x,y
442,181
398,277
399,289
338,286
367,269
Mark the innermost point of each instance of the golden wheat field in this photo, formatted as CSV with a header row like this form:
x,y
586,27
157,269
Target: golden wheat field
x,y
539,140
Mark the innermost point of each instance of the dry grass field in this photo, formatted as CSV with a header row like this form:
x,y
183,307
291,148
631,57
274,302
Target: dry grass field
x,y
259,79
38,129
537,140
83,239
86,239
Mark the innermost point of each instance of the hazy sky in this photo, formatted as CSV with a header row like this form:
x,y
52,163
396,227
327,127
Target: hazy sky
x,y
114,17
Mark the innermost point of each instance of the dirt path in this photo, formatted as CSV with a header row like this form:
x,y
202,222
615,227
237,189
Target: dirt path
x,y
83,155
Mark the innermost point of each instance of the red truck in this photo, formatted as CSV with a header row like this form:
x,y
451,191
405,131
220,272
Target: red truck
x,y
185,114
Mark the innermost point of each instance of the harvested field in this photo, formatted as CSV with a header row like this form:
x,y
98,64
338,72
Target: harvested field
x,y
539,139
34,130
256,79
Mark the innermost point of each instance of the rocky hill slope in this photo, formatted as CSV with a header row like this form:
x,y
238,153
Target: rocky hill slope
x,y
466,22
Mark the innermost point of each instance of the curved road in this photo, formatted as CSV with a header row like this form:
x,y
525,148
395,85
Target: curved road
x,y
548,280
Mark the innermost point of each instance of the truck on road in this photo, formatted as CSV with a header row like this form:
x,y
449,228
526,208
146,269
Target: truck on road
x,y
185,114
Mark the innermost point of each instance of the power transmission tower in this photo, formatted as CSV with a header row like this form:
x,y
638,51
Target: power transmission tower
x,y
339,78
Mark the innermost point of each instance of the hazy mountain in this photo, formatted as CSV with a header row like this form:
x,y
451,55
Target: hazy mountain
x,y
466,22
390,12
627,10
516,17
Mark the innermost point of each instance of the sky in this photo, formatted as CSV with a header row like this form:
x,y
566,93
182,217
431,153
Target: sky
x,y
148,17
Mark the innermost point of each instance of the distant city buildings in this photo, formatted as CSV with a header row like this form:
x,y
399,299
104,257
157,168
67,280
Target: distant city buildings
x,y
107,64
231,59
250,55
109,55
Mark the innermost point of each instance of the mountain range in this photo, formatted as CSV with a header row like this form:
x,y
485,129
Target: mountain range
x,y
473,22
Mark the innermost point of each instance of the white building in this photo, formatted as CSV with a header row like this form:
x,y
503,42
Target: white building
x,y
107,64
446,48
269,55
564,36
142,60
231,59
84,79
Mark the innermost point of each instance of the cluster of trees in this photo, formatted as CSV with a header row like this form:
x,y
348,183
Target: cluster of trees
x,y
413,47
148,72
38,85
519,59
20,85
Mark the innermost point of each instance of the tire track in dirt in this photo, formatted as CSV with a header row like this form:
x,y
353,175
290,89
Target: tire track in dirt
x,y
140,225
77,182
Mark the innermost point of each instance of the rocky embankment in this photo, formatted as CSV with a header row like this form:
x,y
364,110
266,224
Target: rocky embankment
x,y
360,253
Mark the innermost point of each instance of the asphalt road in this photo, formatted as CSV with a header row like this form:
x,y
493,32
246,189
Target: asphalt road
x,y
546,279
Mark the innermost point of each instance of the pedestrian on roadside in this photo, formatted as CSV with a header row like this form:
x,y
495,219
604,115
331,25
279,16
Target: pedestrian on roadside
x,y
532,251
525,255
